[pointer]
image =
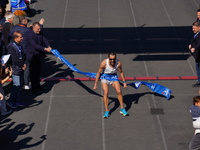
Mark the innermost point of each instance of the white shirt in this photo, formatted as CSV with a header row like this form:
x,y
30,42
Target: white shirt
x,y
196,125
109,69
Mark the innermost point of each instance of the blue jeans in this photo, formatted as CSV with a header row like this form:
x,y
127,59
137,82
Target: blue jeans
x,y
15,91
198,70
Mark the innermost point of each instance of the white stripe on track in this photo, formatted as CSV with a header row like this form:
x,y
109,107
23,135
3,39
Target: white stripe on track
x,y
181,45
51,97
48,118
100,59
137,32
158,119
63,26
196,3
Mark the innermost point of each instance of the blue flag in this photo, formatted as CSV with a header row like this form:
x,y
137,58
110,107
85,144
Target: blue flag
x,y
157,88
88,74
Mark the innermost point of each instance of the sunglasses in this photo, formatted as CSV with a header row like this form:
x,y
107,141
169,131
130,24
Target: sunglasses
x,y
112,58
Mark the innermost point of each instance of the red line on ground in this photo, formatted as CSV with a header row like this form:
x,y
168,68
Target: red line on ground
x,y
127,78
146,78
188,77
169,78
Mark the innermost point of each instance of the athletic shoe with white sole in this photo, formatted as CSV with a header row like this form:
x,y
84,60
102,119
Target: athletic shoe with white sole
x,y
123,112
26,87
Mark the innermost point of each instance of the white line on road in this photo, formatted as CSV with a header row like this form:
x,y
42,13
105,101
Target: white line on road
x,y
48,118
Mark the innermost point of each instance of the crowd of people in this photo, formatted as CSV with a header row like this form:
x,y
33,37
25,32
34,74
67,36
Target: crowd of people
x,y
26,46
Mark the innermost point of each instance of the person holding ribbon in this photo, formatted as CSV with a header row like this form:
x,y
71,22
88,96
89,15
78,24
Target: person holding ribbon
x,y
194,48
38,45
111,66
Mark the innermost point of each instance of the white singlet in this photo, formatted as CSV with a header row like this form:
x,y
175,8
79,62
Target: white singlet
x,y
111,70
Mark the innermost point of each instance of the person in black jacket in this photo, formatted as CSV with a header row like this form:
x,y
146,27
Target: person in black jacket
x,y
3,4
194,48
7,26
22,27
18,59
3,49
38,45
198,15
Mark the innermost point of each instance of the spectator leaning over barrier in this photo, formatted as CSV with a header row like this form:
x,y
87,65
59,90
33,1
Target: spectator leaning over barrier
x,y
38,45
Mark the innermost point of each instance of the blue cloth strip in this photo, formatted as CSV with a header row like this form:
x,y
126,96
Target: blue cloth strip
x,y
88,74
157,88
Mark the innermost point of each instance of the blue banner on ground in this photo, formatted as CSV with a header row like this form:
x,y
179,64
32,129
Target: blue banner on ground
x,y
157,88
88,74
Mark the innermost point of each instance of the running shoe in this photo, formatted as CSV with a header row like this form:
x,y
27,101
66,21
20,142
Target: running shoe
x,y
26,87
123,112
106,114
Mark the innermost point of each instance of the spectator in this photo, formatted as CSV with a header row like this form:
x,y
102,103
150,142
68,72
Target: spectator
x,y
3,4
195,112
18,66
4,19
38,45
3,49
7,25
18,5
2,12
194,48
198,15
5,75
22,27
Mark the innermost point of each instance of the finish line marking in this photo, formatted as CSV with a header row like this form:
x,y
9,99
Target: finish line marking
x,y
127,78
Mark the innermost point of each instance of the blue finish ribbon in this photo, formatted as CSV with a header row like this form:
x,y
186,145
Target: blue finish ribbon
x,y
88,74
157,88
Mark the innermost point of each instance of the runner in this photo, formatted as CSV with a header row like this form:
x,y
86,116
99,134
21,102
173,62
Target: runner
x,y
110,66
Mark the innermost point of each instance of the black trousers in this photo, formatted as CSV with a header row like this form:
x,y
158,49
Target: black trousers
x,y
35,71
195,142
